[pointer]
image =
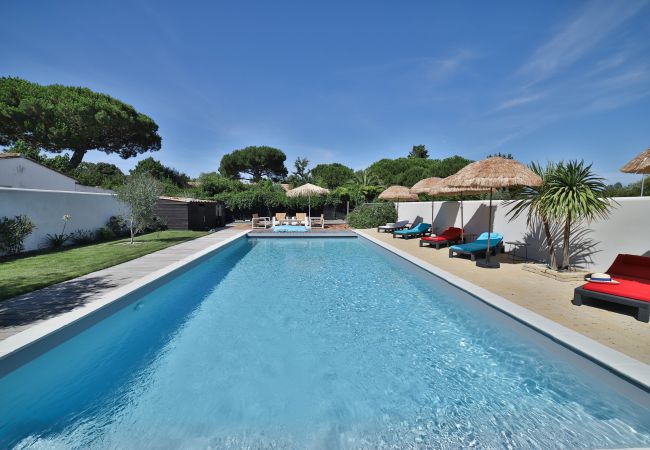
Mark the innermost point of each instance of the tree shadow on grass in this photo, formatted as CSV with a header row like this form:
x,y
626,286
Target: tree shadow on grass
x,y
51,301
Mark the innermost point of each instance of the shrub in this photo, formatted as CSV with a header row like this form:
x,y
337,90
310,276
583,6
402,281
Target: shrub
x,y
117,226
83,236
105,234
13,233
57,240
371,215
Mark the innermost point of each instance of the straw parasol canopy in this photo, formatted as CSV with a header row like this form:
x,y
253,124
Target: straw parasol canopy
x,y
428,186
640,164
493,173
307,190
397,193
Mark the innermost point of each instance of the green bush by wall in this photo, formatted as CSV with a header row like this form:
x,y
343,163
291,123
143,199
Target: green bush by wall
x,y
371,215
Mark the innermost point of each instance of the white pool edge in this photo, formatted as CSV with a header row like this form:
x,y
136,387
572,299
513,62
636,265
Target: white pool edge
x,y
617,362
40,331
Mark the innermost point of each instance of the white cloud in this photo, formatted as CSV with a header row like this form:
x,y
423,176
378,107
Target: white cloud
x,y
518,101
577,37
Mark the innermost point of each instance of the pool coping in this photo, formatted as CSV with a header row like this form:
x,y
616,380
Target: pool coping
x,y
622,365
19,341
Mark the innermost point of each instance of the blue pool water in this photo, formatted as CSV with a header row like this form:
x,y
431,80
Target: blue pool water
x,y
312,343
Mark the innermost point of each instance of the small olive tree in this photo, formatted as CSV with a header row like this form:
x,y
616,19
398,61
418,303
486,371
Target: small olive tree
x,y
140,193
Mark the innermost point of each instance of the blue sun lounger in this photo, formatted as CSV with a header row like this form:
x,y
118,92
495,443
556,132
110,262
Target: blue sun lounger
x,y
417,231
478,247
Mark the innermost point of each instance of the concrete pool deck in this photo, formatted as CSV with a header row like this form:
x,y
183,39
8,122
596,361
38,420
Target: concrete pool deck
x,y
25,311
609,324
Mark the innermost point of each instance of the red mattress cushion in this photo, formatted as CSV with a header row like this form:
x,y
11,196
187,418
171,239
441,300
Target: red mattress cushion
x,y
450,233
438,238
628,287
631,266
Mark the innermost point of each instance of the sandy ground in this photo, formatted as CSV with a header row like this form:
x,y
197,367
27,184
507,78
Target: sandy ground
x,y
610,324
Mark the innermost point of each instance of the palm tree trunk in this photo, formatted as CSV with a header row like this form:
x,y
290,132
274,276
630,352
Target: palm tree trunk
x,y
549,244
566,264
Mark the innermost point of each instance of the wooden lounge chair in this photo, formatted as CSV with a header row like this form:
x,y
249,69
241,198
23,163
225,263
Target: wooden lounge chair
x,y
451,235
632,273
318,221
478,247
417,231
390,227
301,218
260,222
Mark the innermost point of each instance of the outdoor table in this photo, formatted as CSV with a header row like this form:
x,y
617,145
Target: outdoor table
x,y
514,245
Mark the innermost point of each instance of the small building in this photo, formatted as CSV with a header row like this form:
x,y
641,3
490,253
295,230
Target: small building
x,y
18,171
190,213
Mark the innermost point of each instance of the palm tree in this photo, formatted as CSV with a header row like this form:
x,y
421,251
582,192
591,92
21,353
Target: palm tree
x,y
365,178
534,202
573,194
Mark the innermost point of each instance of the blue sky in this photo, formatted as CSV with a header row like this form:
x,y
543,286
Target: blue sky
x,y
352,82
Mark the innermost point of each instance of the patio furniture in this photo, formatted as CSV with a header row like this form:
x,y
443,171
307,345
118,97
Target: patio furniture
x,y
514,245
301,218
318,221
632,274
390,227
260,222
417,231
449,236
479,246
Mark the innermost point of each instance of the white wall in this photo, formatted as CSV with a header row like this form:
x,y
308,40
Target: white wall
x,y
46,208
627,230
26,174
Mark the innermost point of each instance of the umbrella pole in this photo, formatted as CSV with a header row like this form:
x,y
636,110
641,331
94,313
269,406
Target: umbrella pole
x,y
462,220
487,263
642,183
309,208
432,209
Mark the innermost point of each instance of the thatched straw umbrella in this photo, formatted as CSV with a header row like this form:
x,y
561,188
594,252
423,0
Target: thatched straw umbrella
x,y
493,173
307,190
427,186
443,189
639,165
397,193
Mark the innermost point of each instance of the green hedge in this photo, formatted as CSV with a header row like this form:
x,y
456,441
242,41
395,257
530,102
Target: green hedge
x,y
371,215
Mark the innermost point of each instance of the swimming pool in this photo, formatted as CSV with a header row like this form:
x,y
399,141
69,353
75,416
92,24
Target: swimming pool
x,y
293,343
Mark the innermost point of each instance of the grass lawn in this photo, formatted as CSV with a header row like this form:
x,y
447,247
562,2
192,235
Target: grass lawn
x,y
37,270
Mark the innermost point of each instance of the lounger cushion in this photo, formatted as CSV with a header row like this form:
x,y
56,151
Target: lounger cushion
x,y
480,244
628,287
449,234
419,228
631,266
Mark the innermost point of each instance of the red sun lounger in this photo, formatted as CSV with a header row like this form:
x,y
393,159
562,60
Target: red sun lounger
x,y
633,275
451,235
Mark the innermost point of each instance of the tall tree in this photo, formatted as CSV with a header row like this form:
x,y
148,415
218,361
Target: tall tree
x,y
300,175
161,172
419,151
140,193
332,175
60,118
258,162
575,194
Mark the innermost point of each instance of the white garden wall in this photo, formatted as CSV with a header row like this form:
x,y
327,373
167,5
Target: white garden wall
x,y
46,208
627,230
